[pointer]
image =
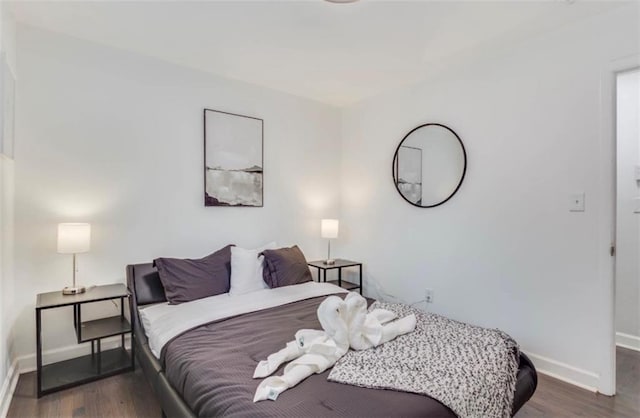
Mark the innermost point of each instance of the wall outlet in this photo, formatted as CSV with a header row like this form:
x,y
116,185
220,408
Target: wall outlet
x,y
576,202
428,295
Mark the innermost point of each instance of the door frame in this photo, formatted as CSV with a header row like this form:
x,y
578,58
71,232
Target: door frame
x,y
607,216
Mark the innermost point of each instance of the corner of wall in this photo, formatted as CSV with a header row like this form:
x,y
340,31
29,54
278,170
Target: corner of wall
x,y
8,365
8,373
8,388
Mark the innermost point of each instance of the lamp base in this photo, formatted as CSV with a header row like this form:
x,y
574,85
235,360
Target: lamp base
x,y
329,262
73,290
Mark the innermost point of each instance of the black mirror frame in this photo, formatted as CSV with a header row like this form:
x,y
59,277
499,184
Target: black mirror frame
x,y
394,164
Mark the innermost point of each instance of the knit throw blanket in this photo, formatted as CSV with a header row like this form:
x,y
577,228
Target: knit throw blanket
x,y
471,370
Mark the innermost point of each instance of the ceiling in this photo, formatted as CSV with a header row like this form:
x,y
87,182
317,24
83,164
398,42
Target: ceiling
x,y
334,53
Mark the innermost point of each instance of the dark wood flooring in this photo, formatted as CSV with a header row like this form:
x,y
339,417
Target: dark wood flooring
x,y
129,395
555,398
123,395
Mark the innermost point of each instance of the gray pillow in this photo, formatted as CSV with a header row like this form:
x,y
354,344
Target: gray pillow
x,y
284,267
185,280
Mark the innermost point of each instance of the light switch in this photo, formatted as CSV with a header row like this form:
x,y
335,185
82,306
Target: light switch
x,y
636,205
637,173
576,202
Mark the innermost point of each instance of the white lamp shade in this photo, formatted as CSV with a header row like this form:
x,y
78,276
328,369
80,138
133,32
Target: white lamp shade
x,y
74,238
329,228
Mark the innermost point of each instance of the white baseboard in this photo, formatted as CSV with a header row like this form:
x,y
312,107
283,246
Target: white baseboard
x,y
8,387
632,342
567,373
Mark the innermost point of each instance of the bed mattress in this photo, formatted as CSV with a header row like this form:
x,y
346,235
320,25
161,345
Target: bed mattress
x,y
211,367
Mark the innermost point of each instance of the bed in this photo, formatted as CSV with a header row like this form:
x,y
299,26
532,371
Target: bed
x,y
206,370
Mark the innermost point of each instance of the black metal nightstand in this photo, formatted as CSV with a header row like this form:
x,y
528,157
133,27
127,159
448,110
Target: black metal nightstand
x,y
97,365
339,264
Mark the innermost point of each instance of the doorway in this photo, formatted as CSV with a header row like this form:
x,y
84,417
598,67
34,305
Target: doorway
x,y
627,225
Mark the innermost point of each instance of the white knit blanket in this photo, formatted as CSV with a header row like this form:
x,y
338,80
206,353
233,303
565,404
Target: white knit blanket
x,y
471,370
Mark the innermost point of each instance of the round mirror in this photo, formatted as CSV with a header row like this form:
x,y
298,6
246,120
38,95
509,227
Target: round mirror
x,y
429,165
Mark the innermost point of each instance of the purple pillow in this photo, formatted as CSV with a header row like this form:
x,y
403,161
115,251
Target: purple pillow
x,y
185,280
284,267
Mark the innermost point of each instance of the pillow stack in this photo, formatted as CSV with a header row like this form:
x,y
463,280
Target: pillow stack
x,y
232,270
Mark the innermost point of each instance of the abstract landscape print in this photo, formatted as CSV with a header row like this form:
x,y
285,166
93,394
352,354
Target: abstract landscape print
x,y
233,159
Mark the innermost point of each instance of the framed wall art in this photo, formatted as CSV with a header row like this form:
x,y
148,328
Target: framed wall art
x,y
233,159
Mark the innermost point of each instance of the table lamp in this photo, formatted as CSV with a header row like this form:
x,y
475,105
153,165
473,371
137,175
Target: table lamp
x,y
329,230
74,238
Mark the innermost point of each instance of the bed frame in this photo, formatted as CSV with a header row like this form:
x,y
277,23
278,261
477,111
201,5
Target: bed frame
x,y
145,286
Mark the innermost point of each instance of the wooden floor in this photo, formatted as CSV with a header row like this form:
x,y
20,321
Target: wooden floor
x,y
129,395
554,398
123,395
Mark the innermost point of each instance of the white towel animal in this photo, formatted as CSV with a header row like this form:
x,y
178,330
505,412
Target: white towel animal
x,y
346,323
367,330
317,352
294,349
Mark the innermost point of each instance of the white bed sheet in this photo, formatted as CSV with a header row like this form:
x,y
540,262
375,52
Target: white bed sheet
x,y
162,321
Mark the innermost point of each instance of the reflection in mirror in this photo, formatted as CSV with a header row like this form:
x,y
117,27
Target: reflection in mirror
x,y
429,165
409,178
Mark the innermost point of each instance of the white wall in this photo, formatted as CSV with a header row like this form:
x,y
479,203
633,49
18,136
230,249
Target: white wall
x,y
628,222
116,139
6,268
505,251
7,54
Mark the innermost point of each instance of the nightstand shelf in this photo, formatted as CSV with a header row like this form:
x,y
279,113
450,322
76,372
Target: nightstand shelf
x,y
103,328
339,265
76,371
97,365
345,285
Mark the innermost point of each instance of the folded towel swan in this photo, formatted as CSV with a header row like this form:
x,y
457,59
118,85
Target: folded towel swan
x,y
346,323
368,330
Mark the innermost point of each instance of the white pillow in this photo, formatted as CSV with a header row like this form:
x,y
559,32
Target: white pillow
x,y
246,269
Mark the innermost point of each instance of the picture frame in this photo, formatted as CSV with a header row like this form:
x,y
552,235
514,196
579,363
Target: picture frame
x,y
233,159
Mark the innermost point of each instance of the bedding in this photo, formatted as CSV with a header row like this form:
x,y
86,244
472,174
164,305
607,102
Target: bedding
x,y
285,267
186,279
345,324
206,371
211,366
164,321
472,370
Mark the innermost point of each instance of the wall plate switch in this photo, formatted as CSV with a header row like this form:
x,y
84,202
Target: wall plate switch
x,y
637,173
636,205
576,202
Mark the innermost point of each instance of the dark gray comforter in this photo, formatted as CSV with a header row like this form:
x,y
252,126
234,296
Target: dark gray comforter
x,y
211,367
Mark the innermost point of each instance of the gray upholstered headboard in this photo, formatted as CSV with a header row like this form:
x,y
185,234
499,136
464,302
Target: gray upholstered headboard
x,y
144,284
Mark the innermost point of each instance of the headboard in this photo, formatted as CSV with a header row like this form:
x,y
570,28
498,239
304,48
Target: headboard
x,y
145,286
